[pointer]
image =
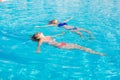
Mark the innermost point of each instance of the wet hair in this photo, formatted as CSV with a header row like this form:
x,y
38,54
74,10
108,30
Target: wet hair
x,y
33,38
52,22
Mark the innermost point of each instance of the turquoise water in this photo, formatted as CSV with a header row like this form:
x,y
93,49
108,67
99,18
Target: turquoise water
x,y
19,61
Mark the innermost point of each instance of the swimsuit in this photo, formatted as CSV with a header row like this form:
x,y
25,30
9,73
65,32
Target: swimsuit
x,y
62,44
62,24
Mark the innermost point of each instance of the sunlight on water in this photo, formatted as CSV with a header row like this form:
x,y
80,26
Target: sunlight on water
x,y
19,61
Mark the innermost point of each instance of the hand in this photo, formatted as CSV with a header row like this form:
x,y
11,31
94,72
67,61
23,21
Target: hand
x,y
71,17
63,32
38,51
37,26
102,54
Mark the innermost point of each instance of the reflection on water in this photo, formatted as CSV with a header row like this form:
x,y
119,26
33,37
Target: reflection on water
x,y
18,57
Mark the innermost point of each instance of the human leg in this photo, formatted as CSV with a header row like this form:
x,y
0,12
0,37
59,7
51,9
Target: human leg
x,y
87,31
79,33
75,46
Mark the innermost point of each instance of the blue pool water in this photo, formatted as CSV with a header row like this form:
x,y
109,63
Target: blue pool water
x,y
19,61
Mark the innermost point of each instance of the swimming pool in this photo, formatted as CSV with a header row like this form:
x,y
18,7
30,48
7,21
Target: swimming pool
x,y
19,61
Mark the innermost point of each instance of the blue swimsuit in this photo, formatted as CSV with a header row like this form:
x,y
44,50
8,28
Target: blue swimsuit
x,y
63,24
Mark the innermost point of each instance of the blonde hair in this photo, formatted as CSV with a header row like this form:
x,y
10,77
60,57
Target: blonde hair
x,y
53,21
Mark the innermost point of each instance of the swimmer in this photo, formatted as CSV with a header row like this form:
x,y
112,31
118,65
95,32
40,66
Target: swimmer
x,y
2,0
40,38
67,27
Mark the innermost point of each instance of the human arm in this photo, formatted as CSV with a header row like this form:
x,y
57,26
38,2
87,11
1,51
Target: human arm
x,y
42,26
58,34
39,44
68,19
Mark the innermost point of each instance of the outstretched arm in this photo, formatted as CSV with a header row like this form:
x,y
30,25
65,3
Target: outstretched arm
x,y
68,19
58,34
38,47
42,26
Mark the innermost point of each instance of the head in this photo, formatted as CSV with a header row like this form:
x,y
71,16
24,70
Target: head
x,y
53,22
36,37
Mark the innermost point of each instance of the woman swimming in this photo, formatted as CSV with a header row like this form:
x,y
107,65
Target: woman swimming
x,y
67,27
40,38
